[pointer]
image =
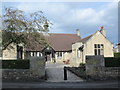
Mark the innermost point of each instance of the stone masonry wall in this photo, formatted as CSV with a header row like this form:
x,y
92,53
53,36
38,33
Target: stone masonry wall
x,y
35,73
95,69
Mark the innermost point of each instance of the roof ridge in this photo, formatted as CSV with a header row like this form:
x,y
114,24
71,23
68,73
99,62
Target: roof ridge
x,y
87,36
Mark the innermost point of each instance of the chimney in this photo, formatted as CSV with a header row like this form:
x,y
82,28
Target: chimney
x,y
103,31
78,32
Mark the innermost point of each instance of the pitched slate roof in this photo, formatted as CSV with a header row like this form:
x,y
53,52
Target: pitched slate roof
x,y
86,38
62,42
34,44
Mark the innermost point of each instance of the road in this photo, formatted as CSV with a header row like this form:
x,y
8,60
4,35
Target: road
x,y
97,84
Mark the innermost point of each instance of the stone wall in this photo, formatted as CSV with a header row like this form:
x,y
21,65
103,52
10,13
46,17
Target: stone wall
x,y
92,62
104,73
95,69
35,73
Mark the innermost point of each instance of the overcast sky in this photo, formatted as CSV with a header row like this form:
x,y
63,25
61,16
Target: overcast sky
x,y
69,16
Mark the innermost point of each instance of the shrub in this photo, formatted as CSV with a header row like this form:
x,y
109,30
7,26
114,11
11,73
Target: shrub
x,y
112,62
82,64
16,64
117,54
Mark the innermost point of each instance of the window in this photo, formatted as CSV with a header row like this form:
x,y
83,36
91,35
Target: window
x,y
34,54
38,54
59,54
31,54
98,49
41,54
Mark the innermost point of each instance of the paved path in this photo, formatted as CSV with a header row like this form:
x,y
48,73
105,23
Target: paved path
x,y
55,73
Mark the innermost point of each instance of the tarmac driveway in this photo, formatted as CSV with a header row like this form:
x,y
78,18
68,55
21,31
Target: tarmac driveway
x,y
55,73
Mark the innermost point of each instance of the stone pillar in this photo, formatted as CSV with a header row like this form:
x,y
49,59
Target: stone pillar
x,y
37,66
92,62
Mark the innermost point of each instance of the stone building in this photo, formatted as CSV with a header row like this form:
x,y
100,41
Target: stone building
x,y
95,44
65,47
117,48
60,46
21,51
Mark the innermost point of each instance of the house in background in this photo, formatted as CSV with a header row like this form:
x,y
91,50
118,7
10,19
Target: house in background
x,y
60,46
117,48
13,51
20,51
95,44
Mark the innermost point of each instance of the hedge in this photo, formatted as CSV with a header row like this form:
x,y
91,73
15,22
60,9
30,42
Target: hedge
x,y
117,54
112,62
16,64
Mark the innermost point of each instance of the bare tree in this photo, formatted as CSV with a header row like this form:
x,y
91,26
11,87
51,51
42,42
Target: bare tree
x,y
19,26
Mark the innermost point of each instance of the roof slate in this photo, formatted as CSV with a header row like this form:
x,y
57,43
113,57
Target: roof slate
x,y
86,38
62,42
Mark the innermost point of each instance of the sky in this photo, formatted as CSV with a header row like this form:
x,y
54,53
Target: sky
x,y
66,17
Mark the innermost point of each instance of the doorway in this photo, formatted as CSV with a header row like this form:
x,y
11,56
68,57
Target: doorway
x,y
19,52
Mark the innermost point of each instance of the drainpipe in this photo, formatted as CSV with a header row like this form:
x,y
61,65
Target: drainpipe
x,y
82,56
81,49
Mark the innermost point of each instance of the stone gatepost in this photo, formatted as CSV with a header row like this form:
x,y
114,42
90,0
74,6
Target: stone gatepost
x,y
92,62
37,66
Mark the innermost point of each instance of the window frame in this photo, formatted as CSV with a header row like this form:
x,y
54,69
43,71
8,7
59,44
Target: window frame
x,y
98,49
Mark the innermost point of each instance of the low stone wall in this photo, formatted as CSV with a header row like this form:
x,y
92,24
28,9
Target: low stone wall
x,y
111,72
104,73
35,73
96,70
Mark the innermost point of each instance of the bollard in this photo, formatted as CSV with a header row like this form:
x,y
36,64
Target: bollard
x,y
65,73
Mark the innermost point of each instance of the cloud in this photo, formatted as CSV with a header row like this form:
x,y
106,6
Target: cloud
x,y
67,17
